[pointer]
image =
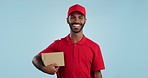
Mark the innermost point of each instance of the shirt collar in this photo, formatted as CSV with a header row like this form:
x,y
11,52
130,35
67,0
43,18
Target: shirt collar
x,y
81,42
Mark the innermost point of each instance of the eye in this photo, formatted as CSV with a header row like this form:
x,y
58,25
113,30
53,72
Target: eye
x,y
81,17
72,17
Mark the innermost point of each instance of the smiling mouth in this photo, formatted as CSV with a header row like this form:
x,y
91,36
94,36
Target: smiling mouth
x,y
76,25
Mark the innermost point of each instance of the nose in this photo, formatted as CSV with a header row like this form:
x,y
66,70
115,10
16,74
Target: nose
x,y
76,20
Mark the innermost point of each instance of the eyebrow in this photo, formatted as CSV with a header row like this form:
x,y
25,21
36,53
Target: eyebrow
x,y
80,15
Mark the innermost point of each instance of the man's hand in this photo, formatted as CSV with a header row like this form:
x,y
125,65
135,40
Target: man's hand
x,y
51,69
97,74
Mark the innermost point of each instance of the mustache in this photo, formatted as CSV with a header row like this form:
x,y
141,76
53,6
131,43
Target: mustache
x,y
76,23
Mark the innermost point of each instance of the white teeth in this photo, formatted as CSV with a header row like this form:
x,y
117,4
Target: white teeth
x,y
76,25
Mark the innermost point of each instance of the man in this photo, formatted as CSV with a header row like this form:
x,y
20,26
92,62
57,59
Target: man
x,y
83,58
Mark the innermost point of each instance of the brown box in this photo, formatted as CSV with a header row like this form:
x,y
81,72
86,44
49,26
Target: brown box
x,y
53,57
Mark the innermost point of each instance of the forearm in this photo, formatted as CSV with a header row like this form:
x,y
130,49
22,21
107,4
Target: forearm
x,y
97,74
37,62
50,69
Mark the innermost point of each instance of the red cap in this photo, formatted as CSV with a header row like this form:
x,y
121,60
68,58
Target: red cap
x,y
78,8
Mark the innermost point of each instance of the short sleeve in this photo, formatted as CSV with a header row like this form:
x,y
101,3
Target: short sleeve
x,y
98,63
51,48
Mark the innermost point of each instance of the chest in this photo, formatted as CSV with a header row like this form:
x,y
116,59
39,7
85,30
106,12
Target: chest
x,y
77,55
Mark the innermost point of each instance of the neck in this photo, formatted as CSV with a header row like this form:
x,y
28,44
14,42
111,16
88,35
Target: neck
x,y
76,37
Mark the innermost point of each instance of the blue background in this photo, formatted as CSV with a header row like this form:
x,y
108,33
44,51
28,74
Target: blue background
x,y
120,27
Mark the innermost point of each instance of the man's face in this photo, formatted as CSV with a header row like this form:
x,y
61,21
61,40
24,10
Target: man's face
x,y
76,21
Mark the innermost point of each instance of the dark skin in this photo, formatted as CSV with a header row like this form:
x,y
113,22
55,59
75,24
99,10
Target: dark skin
x,y
50,69
76,21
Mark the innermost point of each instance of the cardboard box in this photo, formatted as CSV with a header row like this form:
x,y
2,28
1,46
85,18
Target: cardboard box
x,y
53,57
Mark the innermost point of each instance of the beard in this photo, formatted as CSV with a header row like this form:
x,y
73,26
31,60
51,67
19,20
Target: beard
x,y
76,29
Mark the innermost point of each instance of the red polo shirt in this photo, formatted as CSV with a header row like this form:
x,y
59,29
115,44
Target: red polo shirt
x,y
80,58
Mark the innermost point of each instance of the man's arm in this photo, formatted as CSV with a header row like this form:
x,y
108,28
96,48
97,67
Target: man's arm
x,y
50,69
97,74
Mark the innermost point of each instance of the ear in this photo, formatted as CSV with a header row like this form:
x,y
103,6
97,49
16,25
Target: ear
x,y
67,20
85,20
